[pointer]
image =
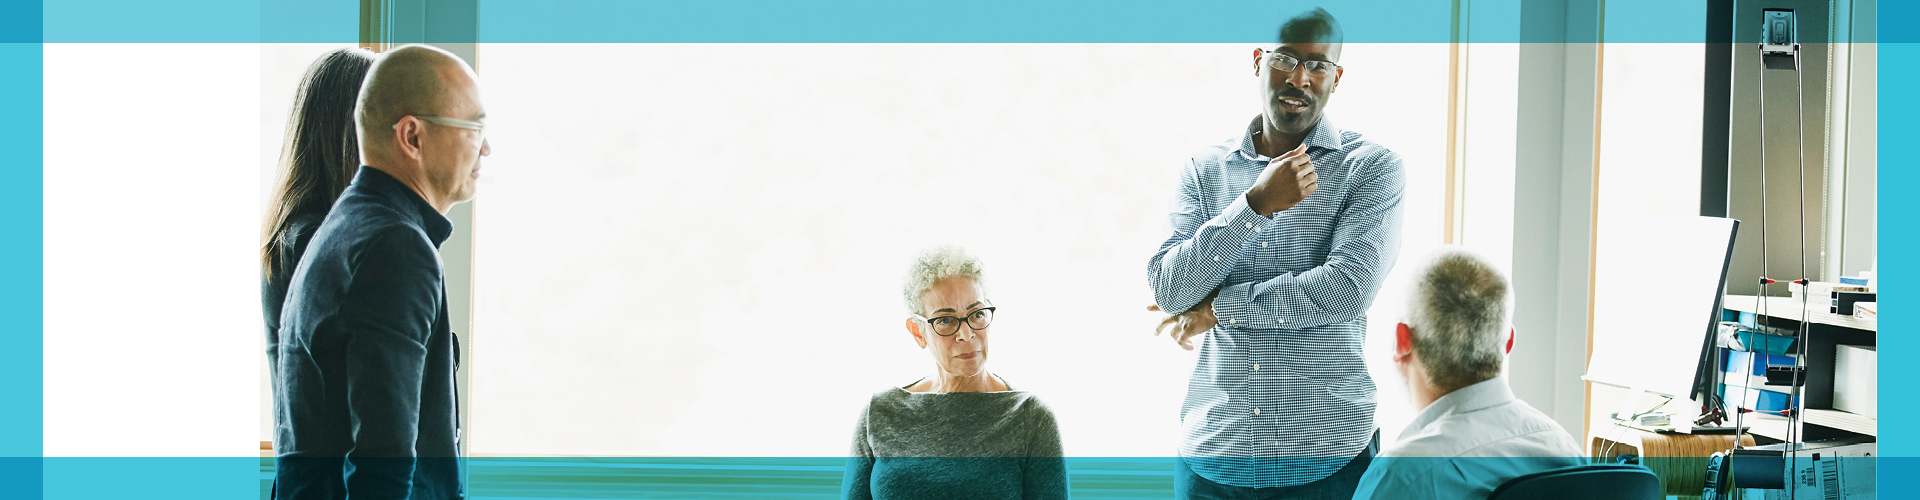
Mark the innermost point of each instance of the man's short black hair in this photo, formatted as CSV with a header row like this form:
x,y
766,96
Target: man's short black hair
x,y
1312,26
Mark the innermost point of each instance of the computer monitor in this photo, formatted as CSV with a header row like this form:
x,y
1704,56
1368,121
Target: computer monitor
x,y
1707,370
1659,281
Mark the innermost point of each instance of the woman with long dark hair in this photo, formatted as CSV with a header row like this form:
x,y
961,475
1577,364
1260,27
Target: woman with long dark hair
x,y
317,161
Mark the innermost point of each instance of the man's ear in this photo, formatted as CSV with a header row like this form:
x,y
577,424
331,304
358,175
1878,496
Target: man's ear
x,y
1257,52
406,137
913,327
1402,342
1510,336
1337,73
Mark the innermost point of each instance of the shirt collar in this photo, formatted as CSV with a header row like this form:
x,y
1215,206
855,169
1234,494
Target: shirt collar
x,y
436,225
1323,135
1486,394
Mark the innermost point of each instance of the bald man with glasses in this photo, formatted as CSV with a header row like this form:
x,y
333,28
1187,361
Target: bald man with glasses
x,y
364,396
1281,238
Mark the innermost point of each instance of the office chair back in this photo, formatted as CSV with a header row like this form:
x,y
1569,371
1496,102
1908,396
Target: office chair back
x,y
1583,482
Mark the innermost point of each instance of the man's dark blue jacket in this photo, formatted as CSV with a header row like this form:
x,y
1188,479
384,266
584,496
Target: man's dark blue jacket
x,y
364,401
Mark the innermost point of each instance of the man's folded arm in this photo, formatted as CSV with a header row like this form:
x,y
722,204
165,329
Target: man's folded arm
x,y
1366,241
1193,262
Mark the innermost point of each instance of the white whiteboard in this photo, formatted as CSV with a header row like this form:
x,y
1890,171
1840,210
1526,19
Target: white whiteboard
x,y
1655,283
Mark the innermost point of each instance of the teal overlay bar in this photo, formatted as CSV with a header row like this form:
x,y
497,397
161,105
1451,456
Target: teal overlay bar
x,y
162,478
857,21
527,478
20,269
1896,216
1657,21
1895,19
1899,441
131,21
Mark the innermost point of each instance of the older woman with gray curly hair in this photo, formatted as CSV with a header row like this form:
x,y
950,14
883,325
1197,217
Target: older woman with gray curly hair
x,y
961,432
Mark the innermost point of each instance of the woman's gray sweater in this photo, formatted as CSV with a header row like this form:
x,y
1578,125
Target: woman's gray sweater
x,y
958,445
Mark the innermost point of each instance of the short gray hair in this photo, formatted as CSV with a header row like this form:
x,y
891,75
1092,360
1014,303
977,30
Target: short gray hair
x,y
1459,305
933,264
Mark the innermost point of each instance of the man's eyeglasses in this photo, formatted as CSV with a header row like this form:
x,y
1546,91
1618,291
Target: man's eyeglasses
x,y
1283,62
450,122
946,326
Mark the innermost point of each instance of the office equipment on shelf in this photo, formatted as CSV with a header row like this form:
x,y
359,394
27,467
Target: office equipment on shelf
x,y
1837,298
1822,290
1866,311
1843,301
1819,405
1786,310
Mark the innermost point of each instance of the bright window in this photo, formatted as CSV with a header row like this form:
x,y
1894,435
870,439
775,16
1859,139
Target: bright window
x,y
698,249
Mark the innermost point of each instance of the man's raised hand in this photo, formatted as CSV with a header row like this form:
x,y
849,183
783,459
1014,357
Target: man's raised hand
x,y
1287,180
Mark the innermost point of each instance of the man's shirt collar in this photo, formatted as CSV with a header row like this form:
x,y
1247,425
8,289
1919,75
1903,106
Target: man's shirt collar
x,y
374,180
1480,396
1323,135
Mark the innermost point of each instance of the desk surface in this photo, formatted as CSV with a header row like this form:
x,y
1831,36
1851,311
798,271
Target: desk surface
x,y
1679,460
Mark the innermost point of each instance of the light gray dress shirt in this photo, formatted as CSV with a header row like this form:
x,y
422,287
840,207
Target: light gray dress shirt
x,y
1466,444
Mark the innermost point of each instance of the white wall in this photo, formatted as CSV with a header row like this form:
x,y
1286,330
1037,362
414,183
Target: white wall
x,y
152,334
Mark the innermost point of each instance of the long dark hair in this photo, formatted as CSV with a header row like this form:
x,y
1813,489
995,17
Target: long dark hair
x,y
321,151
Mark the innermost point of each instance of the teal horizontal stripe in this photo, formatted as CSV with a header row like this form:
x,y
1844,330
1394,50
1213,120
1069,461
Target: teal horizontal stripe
x,y
869,21
168,478
751,477
528,478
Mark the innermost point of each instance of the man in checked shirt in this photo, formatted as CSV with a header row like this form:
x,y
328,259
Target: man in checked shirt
x,y
1281,238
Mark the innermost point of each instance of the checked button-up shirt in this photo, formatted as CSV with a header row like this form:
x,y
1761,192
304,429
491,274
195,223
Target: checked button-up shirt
x,y
1280,395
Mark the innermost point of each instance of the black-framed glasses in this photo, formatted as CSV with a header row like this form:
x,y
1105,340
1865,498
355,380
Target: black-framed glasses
x,y
1283,62
946,326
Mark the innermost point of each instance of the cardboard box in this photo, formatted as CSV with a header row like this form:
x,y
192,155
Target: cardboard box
x,y
1829,471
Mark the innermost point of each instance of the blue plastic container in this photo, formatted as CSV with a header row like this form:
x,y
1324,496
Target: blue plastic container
x,y
1769,344
1732,362
1757,399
